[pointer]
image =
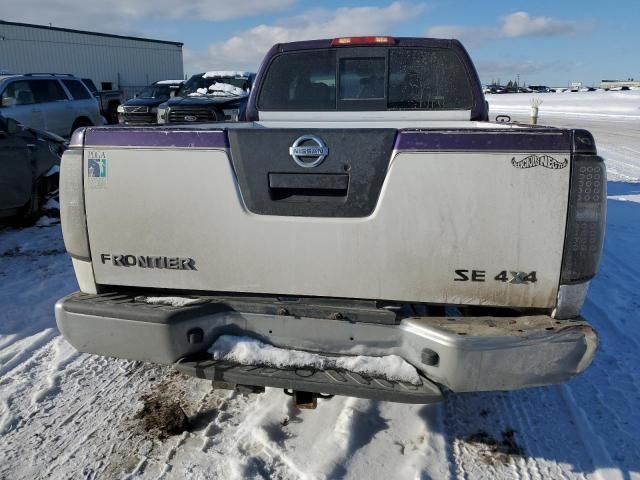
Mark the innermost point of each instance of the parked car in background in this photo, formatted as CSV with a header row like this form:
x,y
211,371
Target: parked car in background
x,y
52,102
214,96
539,88
109,100
28,158
494,89
144,107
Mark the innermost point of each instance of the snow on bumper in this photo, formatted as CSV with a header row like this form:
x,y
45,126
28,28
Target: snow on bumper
x,y
462,353
249,351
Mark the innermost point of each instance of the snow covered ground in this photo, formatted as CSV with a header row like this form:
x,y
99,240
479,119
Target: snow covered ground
x,y
70,415
597,104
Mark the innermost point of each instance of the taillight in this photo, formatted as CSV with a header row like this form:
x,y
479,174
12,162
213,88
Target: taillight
x,y
587,209
72,212
346,41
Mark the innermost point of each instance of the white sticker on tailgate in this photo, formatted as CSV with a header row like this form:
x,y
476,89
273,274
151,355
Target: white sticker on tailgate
x,y
96,169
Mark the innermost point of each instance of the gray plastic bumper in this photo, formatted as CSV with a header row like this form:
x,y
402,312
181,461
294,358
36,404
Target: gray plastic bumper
x,y
462,353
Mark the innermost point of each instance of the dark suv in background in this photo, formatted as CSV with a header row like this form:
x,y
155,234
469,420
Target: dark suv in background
x,y
215,96
143,108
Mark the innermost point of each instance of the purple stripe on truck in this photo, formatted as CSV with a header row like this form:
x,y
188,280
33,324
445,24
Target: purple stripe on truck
x,y
492,140
147,137
538,140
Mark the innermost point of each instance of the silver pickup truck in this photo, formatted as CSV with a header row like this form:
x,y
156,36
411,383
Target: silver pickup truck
x,y
367,214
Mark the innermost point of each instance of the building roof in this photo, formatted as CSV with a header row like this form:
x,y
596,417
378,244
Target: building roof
x,y
84,32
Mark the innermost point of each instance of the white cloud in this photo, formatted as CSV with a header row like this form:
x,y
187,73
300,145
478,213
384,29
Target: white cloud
x,y
129,16
246,49
521,24
469,36
515,25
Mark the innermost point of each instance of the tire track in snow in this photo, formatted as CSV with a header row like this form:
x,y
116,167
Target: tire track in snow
x,y
475,421
517,464
524,427
24,354
69,417
592,441
113,411
24,375
63,448
63,355
454,428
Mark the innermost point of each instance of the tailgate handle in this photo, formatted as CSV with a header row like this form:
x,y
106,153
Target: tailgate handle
x,y
309,181
308,186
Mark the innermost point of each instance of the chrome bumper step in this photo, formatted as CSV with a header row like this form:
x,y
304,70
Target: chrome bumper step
x,y
333,382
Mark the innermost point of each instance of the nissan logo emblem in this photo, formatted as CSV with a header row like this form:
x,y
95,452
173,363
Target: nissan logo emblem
x,y
308,151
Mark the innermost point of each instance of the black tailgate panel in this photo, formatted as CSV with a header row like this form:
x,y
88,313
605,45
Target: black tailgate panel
x,y
346,184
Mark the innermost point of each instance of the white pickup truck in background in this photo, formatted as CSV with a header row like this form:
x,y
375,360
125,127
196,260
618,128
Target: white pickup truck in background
x,y
366,232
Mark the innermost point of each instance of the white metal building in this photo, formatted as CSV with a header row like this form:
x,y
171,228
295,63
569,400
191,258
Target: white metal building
x,y
631,83
111,61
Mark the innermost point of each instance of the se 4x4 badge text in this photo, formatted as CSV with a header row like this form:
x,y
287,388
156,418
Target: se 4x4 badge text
x,y
505,276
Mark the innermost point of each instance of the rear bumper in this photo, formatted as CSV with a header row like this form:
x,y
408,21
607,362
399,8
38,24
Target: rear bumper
x,y
461,353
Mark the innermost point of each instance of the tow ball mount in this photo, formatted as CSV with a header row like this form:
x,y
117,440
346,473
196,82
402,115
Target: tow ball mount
x,y
307,400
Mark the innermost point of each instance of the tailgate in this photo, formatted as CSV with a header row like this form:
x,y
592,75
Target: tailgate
x,y
471,217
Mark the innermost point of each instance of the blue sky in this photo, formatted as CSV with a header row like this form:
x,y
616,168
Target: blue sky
x,y
551,42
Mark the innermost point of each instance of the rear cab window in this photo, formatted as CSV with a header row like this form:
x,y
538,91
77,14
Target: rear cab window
x,y
424,79
300,81
366,78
